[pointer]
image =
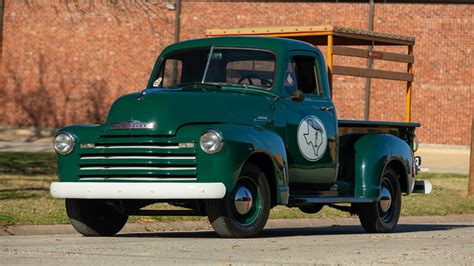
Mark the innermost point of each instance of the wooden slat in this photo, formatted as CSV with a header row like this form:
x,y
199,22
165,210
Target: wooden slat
x,y
378,40
403,58
339,31
371,73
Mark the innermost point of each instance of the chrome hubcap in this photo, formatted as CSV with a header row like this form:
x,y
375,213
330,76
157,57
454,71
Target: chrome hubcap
x,y
385,199
243,200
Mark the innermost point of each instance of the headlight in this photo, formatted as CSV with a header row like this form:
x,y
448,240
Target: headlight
x,y
63,143
211,141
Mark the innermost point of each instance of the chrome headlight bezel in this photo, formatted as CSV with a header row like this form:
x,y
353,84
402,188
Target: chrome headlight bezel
x,y
211,135
70,139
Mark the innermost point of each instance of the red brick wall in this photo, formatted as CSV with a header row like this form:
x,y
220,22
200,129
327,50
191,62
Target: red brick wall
x,y
89,54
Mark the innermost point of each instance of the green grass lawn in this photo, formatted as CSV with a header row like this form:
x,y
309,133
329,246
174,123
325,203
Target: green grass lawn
x,y
28,163
25,199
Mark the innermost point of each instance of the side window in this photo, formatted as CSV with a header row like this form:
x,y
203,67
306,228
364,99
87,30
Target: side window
x,y
307,74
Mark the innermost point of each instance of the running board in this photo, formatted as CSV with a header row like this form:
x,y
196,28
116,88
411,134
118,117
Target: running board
x,y
165,213
302,200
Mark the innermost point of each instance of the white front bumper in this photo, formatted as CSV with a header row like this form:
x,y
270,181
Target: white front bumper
x,y
109,190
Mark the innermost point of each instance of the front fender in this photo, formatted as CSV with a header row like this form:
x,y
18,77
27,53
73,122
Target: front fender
x,y
373,153
68,166
241,142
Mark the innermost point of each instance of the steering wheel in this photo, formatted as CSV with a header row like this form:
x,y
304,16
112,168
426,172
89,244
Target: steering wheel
x,y
263,81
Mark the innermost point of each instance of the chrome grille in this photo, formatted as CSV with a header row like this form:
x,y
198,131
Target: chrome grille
x,y
147,160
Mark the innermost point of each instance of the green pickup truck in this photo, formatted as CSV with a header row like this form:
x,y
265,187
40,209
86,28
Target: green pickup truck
x,y
228,128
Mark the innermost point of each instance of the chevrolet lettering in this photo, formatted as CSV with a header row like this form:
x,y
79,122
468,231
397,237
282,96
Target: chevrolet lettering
x,y
133,124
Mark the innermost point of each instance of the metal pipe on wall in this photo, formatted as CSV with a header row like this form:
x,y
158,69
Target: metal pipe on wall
x,y
368,81
176,37
177,21
1,29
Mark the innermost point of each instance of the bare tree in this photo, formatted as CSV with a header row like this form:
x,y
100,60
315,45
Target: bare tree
x,y
36,103
66,89
3,89
96,97
120,10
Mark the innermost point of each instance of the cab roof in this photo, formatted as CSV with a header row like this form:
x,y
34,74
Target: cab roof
x,y
278,45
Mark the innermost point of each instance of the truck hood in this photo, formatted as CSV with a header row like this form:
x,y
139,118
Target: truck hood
x,y
170,109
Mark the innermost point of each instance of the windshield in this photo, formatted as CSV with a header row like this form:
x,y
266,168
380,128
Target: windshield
x,y
217,65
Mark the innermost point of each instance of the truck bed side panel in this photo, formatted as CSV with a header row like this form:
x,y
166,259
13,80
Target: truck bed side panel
x,y
366,148
403,130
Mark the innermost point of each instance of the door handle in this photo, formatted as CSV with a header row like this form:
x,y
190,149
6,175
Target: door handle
x,y
327,108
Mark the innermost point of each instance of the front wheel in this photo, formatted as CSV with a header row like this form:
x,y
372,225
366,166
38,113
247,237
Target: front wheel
x,y
382,216
243,212
94,217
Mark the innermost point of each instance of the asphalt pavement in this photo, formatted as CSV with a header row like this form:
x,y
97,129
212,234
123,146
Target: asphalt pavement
x,y
417,240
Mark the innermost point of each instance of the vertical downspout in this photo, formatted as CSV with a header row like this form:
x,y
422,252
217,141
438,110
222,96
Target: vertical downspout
x,y
369,64
177,21
176,37
1,30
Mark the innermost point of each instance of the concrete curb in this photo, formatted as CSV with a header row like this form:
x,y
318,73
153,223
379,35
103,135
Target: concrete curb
x,y
186,226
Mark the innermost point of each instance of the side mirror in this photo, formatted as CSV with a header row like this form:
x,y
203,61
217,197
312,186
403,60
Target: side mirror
x,y
297,96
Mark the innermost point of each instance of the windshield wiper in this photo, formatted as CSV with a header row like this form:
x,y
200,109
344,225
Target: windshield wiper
x,y
200,85
209,58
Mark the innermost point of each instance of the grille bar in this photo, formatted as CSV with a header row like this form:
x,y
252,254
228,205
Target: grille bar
x,y
136,147
139,178
138,157
136,168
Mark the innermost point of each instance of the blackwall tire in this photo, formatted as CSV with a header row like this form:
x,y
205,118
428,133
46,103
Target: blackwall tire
x,y
380,216
94,217
230,219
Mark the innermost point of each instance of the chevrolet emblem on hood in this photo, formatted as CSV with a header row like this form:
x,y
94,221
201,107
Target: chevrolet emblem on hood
x,y
133,124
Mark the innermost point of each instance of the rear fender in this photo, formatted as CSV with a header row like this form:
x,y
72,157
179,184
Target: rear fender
x,y
374,153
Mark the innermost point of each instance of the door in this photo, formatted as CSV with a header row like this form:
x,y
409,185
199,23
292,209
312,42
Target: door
x,y
311,124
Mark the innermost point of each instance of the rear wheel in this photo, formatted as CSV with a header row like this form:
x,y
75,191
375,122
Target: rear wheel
x,y
382,216
94,217
243,212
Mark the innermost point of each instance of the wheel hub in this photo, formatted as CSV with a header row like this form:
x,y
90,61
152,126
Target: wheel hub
x,y
385,199
243,200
